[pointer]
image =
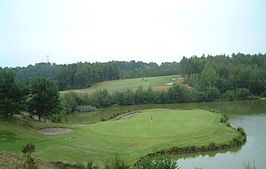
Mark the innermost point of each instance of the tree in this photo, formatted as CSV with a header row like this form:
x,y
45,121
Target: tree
x,y
44,99
11,96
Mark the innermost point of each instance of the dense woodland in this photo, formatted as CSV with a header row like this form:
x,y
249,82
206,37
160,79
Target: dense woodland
x,y
226,74
34,89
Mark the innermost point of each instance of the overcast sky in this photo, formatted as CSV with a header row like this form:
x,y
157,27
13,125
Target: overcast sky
x,y
148,30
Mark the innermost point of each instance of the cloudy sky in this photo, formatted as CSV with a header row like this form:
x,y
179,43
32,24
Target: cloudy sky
x,y
148,30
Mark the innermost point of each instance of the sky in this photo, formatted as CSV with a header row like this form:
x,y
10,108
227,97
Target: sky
x,y
70,31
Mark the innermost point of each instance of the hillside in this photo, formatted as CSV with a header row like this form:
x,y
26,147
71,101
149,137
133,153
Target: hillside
x,y
156,83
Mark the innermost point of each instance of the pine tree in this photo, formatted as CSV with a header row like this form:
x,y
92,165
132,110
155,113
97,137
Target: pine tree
x,y
11,96
44,99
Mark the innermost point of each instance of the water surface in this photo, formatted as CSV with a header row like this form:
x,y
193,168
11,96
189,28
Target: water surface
x,y
250,115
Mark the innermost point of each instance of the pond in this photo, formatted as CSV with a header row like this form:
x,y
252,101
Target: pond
x,y
251,116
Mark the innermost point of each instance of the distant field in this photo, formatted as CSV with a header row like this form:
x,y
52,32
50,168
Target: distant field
x,y
130,136
157,83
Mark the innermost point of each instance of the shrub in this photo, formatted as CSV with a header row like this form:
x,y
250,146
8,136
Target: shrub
x,y
228,95
68,102
263,94
57,117
29,162
208,94
101,99
160,162
116,163
85,108
224,119
241,130
176,94
242,93
212,94
77,165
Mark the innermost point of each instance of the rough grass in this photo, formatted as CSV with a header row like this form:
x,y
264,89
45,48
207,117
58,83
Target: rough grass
x,y
148,131
157,83
10,161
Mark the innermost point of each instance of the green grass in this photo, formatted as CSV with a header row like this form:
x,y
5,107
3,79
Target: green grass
x,y
157,83
147,131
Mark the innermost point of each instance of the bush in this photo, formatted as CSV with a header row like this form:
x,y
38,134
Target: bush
x,y
78,165
228,95
176,94
212,94
85,108
68,102
29,163
242,93
101,99
116,163
57,118
124,98
263,94
160,162
208,94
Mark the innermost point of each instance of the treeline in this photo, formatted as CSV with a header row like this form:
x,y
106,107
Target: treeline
x,y
72,101
81,75
226,76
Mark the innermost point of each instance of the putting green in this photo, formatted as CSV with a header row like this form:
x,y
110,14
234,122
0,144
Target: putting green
x,y
131,137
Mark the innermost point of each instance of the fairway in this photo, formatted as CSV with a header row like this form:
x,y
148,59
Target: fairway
x,y
157,83
130,137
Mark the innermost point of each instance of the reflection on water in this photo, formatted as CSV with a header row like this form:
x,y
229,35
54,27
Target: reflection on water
x,y
250,115
207,154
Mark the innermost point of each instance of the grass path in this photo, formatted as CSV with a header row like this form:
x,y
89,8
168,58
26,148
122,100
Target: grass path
x,y
148,131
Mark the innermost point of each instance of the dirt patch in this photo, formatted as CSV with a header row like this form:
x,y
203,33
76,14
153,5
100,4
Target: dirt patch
x,y
54,131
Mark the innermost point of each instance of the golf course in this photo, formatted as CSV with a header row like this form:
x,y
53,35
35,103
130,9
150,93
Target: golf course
x,y
130,136
87,113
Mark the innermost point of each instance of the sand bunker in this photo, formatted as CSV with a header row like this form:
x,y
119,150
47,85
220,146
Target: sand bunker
x,y
54,131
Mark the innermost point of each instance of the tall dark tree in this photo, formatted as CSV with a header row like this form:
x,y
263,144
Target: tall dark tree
x,y
11,96
44,99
